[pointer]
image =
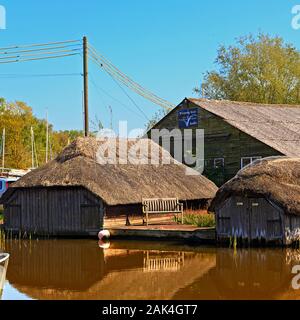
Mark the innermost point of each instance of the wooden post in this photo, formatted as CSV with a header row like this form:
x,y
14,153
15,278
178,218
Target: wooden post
x,y
181,215
86,86
147,217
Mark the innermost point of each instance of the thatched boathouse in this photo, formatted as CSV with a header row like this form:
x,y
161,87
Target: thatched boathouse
x,y
261,203
78,194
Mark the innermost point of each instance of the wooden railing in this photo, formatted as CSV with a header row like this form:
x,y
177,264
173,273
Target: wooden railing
x,y
169,263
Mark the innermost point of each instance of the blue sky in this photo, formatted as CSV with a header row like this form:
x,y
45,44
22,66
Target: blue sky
x,y
165,45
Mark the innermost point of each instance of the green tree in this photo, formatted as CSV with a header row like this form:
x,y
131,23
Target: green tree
x,y
156,117
260,69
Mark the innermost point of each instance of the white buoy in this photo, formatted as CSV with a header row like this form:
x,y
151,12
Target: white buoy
x,y
104,244
103,234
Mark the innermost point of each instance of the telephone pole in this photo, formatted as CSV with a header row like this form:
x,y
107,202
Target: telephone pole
x,y
86,86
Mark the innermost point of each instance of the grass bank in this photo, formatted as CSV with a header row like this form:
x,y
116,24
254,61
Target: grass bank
x,y
201,220
1,215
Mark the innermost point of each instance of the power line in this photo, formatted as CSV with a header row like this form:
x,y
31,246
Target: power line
x,y
103,63
131,99
138,92
115,72
117,100
41,49
39,45
13,76
35,59
39,54
133,87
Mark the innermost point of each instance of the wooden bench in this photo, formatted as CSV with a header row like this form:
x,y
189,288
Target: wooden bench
x,y
166,205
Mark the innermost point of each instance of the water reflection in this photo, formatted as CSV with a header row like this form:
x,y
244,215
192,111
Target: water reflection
x,y
79,269
247,274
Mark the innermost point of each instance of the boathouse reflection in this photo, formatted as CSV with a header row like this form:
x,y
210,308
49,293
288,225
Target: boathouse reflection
x,y
81,270
246,274
70,269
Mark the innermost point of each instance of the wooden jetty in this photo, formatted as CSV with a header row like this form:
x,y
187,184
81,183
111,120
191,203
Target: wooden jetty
x,y
166,232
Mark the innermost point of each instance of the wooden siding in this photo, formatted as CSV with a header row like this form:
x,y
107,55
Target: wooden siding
x,y
53,211
222,140
250,219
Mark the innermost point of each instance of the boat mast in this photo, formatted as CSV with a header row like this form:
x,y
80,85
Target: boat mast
x,y
3,148
111,117
47,136
32,148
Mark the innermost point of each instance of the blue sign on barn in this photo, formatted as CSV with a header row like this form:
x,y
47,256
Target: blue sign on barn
x,y
188,118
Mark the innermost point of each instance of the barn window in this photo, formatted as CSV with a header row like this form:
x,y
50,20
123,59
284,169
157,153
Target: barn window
x,y
245,161
207,163
214,163
219,163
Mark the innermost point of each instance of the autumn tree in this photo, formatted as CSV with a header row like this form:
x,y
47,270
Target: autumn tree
x,y
17,118
260,69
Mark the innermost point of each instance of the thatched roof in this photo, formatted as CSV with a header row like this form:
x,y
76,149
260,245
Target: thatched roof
x,y
275,178
118,184
276,125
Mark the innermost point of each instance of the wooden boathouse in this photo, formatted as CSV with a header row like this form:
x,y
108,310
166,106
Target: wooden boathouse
x,y
235,133
261,204
78,194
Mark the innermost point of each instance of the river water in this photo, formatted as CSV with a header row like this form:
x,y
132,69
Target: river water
x,y
80,269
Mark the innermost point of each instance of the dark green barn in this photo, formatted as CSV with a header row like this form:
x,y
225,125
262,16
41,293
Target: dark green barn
x,y
237,133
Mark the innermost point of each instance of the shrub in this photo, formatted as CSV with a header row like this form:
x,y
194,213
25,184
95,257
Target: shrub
x,y
1,215
205,220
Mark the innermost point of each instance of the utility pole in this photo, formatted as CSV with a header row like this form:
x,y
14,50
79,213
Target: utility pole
x,y
86,86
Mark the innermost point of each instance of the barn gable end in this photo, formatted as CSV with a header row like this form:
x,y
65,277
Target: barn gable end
x,y
238,133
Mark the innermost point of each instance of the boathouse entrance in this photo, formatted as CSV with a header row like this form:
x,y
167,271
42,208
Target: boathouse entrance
x,y
249,219
54,211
